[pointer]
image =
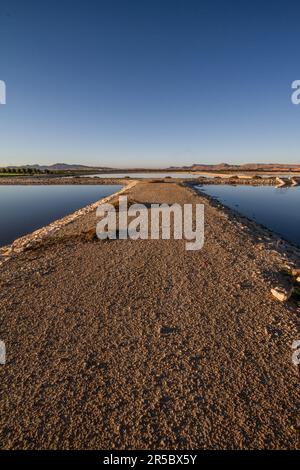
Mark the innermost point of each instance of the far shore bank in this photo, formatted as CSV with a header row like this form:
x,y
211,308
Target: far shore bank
x,y
62,180
217,179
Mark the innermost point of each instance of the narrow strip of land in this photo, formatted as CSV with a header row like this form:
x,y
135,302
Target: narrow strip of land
x,y
143,345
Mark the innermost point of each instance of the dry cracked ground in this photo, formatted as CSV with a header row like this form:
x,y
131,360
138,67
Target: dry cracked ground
x,y
128,344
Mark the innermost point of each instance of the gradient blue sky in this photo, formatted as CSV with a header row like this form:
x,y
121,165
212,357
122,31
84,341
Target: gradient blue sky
x,y
149,82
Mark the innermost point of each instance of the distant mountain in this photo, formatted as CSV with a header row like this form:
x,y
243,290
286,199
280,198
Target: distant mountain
x,y
64,167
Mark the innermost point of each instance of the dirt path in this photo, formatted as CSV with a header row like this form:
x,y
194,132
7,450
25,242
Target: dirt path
x,y
144,345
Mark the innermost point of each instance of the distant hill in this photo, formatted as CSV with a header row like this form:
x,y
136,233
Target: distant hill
x,y
63,167
246,167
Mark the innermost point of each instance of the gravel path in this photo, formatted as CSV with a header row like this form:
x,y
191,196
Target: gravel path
x,y
144,345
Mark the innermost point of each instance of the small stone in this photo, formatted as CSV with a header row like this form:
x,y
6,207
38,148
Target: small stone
x,y
282,294
6,251
295,272
166,330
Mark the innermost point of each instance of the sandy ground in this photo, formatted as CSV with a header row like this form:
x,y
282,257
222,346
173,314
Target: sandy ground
x,y
144,345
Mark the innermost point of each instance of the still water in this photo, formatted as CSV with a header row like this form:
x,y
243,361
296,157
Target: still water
x,y
24,209
275,208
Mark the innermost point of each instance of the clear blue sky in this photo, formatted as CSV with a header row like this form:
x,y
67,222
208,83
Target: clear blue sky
x,y
149,82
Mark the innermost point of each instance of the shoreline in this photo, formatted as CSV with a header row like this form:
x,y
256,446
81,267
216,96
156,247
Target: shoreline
x,y
16,181
106,181
283,245
43,233
32,239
